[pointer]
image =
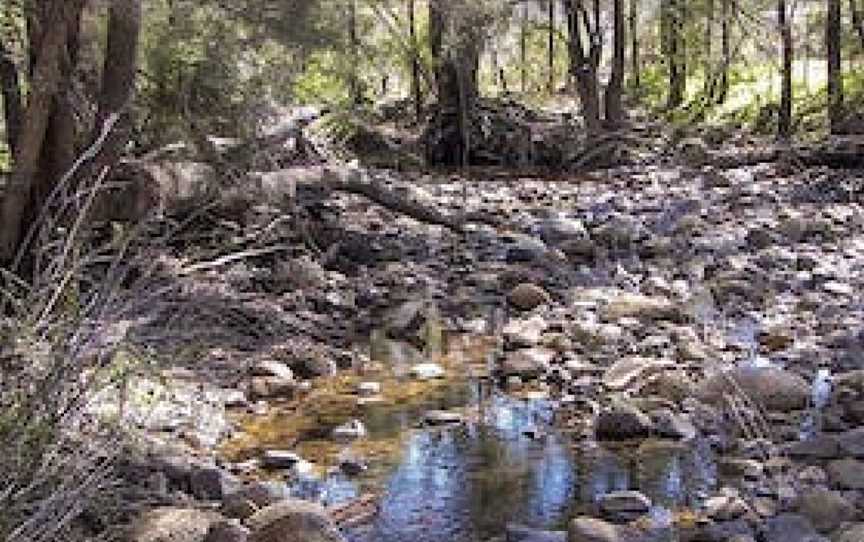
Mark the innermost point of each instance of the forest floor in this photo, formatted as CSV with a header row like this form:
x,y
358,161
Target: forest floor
x,y
658,310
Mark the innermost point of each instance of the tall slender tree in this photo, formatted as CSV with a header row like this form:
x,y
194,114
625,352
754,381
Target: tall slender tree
x,y
833,51
634,44
784,120
615,87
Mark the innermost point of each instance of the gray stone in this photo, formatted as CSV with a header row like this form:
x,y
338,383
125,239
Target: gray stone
x,y
774,388
633,370
668,424
586,529
171,524
210,483
821,446
293,521
851,533
624,506
789,528
622,422
348,431
427,371
520,533
725,531
227,531
852,442
279,459
527,363
525,333
527,296
846,474
442,417
825,509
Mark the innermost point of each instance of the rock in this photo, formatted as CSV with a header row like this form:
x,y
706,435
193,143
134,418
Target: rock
x,y
368,389
813,475
789,528
405,318
727,506
851,533
725,531
520,533
852,442
633,370
227,531
639,306
624,506
269,387
352,464
293,520
279,459
749,469
820,446
846,474
172,524
622,422
693,151
524,333
348,431
527,296
442,417
272,368
427,371
586,529
825,509
558,229
317,365
668,424
244,501
776,389
527,363
210,483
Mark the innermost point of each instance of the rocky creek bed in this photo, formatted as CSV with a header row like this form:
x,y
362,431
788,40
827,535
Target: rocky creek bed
x,y
663,354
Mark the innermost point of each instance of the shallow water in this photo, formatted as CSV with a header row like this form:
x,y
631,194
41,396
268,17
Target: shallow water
x,y
505,464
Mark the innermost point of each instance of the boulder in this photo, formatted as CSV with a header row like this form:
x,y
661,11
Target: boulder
x,y
776,389
279,459
852,442
227,531
349,431
622,422
527,296
825,509
851,533
210,483
293,520
171,524
846,474
587,529
789,528
817,447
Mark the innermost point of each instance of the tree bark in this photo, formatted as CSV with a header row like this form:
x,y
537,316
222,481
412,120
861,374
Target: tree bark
x,y
634,44
726,51
784,120
709,50
835,82
10,90
416,91
584,63
857,19
551,50
614,109
523,49
675,56
354,84
45,82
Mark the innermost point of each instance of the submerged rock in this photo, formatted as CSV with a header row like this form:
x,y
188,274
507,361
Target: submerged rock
x,y
622,422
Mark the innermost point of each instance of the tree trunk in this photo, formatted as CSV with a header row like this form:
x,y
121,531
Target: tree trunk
x,y
784,120
10,90
46,80
436,35
857,19
709,50
416,92
634,44
676,55
551,51
583,64
726,51
523,49
614,109
354,44
835,83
